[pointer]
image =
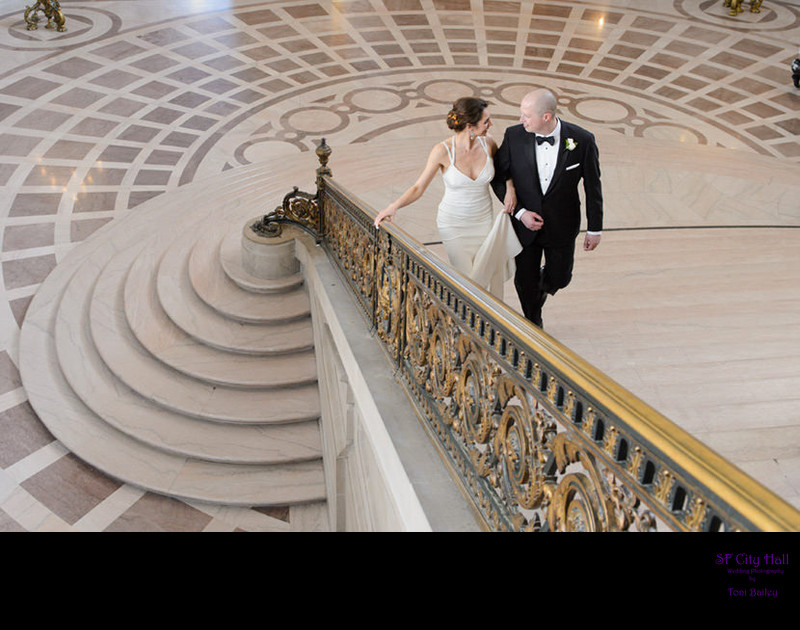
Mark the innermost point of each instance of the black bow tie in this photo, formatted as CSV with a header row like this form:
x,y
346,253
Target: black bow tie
x,y
548,139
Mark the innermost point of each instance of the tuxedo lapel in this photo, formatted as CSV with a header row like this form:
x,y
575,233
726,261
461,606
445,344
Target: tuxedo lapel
x,y
530,161
561,160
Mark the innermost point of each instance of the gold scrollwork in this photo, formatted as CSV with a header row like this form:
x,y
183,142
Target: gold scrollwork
x,y
522,447
574,507
697,514
472,395
442,356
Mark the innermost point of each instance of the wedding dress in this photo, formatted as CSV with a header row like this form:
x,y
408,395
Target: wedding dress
x,y
477,245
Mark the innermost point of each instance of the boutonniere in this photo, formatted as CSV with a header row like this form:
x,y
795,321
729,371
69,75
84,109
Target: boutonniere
x,y
571,144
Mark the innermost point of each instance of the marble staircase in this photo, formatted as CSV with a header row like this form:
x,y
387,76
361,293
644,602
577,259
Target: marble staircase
x,y
152,354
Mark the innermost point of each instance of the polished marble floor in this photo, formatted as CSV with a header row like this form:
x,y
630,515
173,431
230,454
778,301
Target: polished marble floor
x,y
691,301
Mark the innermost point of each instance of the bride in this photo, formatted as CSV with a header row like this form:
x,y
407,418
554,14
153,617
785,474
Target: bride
x,y
481,248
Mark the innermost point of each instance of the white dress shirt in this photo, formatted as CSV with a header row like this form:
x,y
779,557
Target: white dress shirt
x,y
546,158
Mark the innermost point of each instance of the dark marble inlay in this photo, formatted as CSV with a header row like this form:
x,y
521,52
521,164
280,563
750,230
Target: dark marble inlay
x,y
224,63
104,177
735,118
260,53
188,75
30,87
73,68
27,271
119,153
764,132
17,146
152,178
6,109
19,308
94,127
43,120
257,17
140,196
411,19
118,50
34,204
179,139
788,149
164,115
236,39
154,90
138,133
634,37
9,375
251,96
156,513
17,237
83,229
70,488
23,433
726,96
190,100
652,24
162,157
69,150
123,107
78,98
195,50
210,25
116,79
306,11
733,61
6,171
200,123
163,37
49,176
154,63
94,202
704,35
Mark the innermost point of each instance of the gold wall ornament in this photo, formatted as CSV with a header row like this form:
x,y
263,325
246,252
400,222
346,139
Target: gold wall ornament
x,y
736,6
52,11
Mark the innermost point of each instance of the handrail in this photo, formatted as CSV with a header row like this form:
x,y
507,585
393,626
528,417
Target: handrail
x,y
538,438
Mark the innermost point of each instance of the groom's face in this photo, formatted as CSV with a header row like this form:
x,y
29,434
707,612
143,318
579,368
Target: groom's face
x,y
534,122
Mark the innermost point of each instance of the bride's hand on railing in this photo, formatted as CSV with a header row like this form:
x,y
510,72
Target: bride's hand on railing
x,y
387,214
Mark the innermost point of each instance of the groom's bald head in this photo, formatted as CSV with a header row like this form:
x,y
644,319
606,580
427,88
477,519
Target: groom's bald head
x,y
538,111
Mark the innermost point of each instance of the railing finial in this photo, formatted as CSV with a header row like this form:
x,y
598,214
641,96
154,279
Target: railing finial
x,y
323,153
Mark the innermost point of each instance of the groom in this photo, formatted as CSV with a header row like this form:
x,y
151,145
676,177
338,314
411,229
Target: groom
x,y
546,158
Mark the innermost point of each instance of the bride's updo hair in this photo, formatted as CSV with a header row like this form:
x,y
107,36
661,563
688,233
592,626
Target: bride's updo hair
x,y
465,111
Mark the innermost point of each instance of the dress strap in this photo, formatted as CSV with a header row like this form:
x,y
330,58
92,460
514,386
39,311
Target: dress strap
x,y
484,145
450,152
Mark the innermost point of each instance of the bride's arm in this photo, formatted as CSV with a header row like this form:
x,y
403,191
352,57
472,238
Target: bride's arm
x,y
510,198
435,162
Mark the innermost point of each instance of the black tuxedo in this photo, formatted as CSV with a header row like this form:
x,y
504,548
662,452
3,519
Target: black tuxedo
x,y
559,207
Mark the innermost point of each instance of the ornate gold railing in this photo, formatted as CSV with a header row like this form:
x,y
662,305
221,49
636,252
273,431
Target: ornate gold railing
x,y
539,439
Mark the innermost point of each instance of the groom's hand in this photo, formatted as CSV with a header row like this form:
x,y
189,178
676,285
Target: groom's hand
x,y
531,220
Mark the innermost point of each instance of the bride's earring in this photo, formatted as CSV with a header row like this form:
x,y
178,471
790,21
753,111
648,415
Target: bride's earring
x,y
471,135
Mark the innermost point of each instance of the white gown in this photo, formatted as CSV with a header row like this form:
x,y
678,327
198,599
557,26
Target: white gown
x,y
477,245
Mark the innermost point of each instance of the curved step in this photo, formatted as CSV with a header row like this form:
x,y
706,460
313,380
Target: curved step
x,y
147,422
230,257
197,319
92,439
164,340
150,378
214,287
